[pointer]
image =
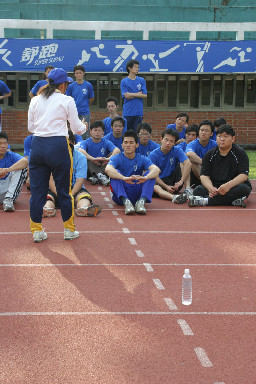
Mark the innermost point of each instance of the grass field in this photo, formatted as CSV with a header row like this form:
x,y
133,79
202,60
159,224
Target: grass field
x,y
252,160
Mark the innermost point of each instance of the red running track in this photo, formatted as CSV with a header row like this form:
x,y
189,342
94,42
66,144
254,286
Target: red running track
x,y
106,308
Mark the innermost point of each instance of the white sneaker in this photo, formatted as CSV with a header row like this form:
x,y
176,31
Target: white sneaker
x,y
103,179
70,235
8,205
39,236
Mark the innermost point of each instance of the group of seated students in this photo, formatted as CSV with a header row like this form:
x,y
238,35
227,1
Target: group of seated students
x,y
195,163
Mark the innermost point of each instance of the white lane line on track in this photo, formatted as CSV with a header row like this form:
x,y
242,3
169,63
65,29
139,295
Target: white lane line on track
x,y
119,220
158,284
139,253
170,304
144,232
203,358
187,331
132,241
148,267
170,210
110,205
106,198
125,230
114,213
218,382
117,313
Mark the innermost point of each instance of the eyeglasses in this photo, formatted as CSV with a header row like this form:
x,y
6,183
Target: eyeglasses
x,y
144,134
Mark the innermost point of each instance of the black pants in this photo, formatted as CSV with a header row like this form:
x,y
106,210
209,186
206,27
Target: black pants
x,y
234,193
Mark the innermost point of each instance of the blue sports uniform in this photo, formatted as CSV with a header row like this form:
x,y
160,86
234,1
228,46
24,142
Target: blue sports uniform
x,y
146,149
182,145
3,91
133,108
101,149
107,124
128,167
81,93
167,163
8,160
114,140
37,86
27,145
79,166
199,150
181,134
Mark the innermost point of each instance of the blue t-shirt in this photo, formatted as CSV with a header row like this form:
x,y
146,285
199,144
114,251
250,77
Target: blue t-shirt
x,y
27,145
117,142
101,149
3,90
128,167
108,128
81,93
182,145
78,138
199,150
214,135
146,149
79,166
167,163
181,134
37,86
9,159
133,107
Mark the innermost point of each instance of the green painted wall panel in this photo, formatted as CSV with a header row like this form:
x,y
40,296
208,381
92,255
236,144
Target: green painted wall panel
x,y
121,35
73,35
159,35
215,36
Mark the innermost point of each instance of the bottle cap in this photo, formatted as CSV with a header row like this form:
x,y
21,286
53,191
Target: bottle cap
x,y
187,271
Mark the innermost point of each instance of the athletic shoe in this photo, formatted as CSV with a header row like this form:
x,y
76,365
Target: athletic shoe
x,y
242,202
93,179
49,212
129,208
196,201
103,179
179,199
91,211
140,207
8,205
70,235
39,236
188,191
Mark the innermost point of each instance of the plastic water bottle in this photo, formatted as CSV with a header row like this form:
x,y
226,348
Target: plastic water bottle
x,y
186,288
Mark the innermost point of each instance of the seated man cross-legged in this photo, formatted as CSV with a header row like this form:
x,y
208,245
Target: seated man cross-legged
x,y
83,199
132,176
224,173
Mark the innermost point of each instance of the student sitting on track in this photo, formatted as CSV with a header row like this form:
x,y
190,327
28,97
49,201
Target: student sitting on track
x,y
180,125
172,177
217,123
224,173
115,136
146,145
196,150
129,184
112,107
97,150
13,173
191,134
82,198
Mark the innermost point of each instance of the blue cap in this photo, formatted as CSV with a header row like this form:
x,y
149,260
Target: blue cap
x,y
59,76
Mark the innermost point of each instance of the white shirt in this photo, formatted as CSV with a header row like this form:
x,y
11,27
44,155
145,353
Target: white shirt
x,y
48,116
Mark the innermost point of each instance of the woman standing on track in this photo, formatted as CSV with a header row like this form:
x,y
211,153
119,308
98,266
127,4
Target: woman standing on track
x,y
50,152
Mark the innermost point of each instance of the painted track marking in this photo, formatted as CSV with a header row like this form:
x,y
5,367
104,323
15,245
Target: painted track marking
x,y
148,267
170,304
203,358
114,213
132,241
139,253
125,230
119,220
185,327
158,284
